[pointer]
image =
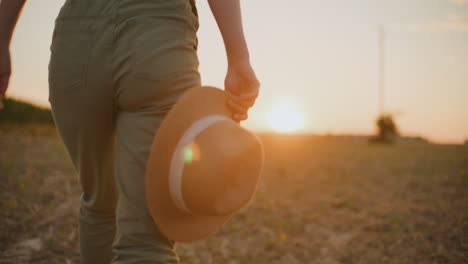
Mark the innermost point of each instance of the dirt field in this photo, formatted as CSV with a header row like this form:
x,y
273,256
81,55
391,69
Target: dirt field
x,y
321,200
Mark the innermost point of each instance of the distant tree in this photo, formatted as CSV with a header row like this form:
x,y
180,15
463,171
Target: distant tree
x,y
387,130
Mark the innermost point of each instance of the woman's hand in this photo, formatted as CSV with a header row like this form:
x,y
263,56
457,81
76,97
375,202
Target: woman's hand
x,y
242,86
5,71
241,82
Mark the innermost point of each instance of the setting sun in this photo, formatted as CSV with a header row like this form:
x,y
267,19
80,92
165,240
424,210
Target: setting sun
x,y
285,117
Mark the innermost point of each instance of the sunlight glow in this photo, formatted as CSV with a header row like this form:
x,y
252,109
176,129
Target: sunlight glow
x,y
285,117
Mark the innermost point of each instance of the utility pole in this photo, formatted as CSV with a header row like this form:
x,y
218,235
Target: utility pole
x,y
381,69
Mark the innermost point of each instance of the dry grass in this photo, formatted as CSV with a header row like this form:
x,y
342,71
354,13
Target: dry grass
x,y
321,200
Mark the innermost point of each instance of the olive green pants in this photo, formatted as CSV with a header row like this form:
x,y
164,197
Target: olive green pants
x,y
116,69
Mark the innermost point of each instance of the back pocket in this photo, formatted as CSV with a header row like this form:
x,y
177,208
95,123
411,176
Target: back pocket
x,y
70,51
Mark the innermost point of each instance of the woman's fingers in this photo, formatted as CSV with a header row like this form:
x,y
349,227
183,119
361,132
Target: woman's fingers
x,y
236,108
240,104
245,99
239,117
239,112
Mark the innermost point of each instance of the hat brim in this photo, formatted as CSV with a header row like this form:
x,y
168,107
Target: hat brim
x,y
173,223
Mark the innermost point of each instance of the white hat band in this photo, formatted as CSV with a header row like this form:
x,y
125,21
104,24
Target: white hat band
x,y
176,169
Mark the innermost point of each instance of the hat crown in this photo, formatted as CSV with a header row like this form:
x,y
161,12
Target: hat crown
x,y
224,177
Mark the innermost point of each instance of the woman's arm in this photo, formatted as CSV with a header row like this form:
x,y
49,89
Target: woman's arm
x,y
9,13
228,16
241,82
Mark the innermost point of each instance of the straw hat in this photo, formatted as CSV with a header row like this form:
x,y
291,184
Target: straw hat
x,y
203,167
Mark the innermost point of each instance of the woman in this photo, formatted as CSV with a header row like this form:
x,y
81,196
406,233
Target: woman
x,y
116,68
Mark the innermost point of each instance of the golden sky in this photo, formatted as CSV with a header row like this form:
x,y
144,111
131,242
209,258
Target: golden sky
x,y
317,61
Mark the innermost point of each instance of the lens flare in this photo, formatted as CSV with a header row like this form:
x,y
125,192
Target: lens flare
x,y
188,154
191,153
